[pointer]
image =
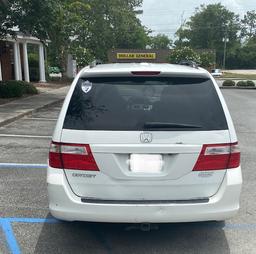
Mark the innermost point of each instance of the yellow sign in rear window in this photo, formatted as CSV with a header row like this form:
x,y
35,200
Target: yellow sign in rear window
x,y
136,55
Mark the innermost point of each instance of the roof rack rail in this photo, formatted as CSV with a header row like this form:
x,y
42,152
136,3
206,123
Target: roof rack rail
x,y
95,63
189,63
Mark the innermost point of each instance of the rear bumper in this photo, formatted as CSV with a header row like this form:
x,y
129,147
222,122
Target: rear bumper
x,y
65,205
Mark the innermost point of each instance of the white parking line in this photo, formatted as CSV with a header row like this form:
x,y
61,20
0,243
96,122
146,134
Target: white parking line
x,y
22,165
24,207
40,119
24,136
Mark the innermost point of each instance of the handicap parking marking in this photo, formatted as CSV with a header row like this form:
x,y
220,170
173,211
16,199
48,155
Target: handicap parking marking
x,y
12,243
22,166
6,225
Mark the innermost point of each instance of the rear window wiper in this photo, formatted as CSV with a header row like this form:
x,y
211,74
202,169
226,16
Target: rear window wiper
x,y
166,125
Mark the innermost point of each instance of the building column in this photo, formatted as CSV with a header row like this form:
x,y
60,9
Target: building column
x,y
41,63
25,62
16,61
1,77
19,62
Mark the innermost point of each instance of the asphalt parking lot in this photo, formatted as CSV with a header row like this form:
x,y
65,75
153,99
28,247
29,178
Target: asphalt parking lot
x,y
27,227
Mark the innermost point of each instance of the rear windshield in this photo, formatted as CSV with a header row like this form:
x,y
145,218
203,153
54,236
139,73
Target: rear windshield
x,y
145,103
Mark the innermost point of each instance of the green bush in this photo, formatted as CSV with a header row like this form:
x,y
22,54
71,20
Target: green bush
x,y
30,89
10,90
241,83
13,88
250,83
229,82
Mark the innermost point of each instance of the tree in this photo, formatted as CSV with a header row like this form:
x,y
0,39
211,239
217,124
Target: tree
x,y
45,20
31,17
114,24
207,58
87,29
69,33
6,23
243,57
249,25
160,41
179,54
208,27
203,58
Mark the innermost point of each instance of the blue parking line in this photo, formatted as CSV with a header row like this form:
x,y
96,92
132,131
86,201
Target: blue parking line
x,y
34,220
22,165
242,226
10,237
5,224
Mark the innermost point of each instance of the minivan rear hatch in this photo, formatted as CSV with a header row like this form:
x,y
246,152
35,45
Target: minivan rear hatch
x,y
144,135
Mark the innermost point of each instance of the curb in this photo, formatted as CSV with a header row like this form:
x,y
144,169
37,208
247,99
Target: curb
x,y
223,79
14,118
237,87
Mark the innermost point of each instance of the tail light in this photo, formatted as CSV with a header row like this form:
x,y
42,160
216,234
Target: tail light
x,y
218,157
72,156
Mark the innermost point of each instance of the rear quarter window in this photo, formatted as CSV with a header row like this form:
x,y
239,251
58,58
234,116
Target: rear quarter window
x,y
124,104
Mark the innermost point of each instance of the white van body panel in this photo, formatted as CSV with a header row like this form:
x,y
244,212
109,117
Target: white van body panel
x,y
114,182
65,205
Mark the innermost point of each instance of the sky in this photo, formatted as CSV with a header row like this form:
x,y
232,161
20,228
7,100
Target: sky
x,y
165,16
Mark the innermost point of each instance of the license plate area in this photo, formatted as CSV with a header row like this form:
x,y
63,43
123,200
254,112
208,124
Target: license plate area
x,y
146,163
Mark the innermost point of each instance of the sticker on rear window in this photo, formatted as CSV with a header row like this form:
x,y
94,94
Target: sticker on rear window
x,y
86,86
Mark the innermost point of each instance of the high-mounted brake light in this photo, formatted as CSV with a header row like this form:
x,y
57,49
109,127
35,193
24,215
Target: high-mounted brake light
x,y
72,156
145,73
218,157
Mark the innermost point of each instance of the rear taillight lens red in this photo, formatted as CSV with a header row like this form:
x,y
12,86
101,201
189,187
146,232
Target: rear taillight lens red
x,y
72,156
218,157
54,156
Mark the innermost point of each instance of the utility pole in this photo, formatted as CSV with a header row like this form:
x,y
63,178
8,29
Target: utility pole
x,y
225,40
182,20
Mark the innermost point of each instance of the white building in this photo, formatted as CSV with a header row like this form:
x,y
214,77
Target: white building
x,y
14,58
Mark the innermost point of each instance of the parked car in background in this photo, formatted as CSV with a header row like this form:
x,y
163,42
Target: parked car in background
x,y
54,72
216,73
142,143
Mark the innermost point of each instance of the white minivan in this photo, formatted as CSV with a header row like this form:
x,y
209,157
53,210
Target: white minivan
x,y
144,143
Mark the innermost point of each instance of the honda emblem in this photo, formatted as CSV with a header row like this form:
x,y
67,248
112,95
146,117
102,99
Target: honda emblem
x,y
146,137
